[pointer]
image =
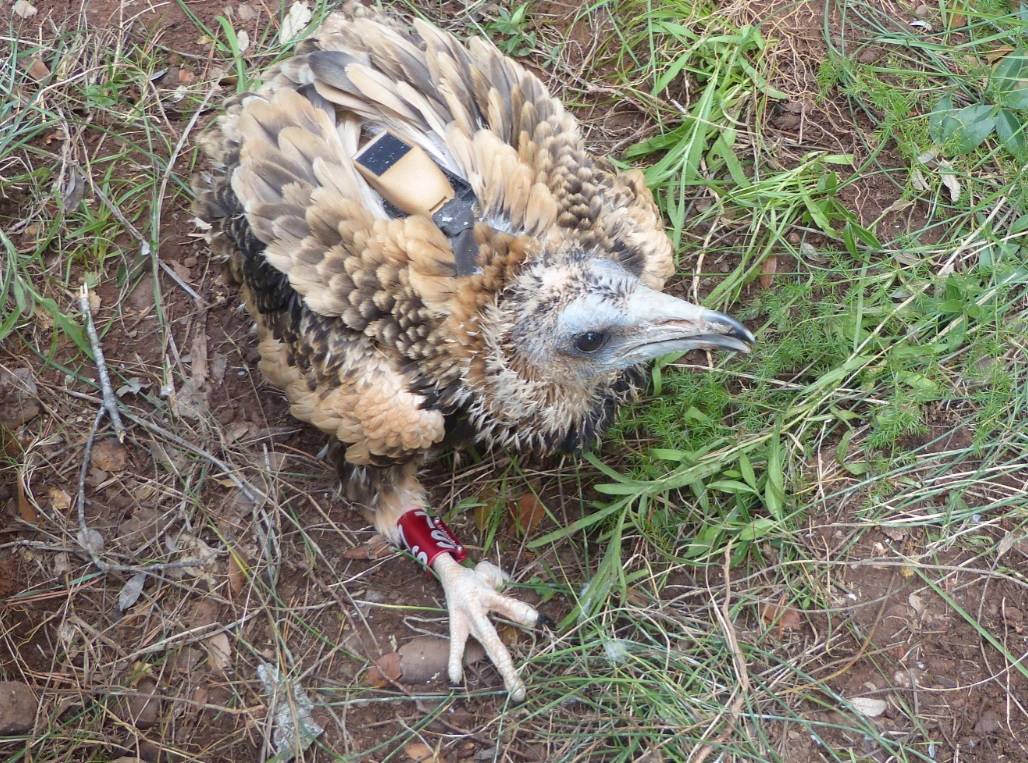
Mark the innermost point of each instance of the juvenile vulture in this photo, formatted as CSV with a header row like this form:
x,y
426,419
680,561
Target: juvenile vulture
x,y
433,258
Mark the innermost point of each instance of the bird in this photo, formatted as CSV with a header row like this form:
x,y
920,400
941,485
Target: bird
x,y
434,259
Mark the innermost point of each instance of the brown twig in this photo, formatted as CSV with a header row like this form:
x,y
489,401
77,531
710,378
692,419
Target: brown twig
x,y
110,402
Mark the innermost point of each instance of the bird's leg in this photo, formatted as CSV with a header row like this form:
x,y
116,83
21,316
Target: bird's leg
x,y
471,592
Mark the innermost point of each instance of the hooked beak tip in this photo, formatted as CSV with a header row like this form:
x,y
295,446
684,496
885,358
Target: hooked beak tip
x,y
731,329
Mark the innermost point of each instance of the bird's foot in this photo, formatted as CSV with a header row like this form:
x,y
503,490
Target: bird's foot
x,y
471,594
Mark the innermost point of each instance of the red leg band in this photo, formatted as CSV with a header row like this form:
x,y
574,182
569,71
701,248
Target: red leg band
x,y
426,537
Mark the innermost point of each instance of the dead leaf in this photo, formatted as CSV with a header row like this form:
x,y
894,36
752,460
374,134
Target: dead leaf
x,y
23,9
295,21
869,706
190,400
376,548
219,651
916,603
193,549
217,367
276,460
72,191
25,508
420,752
172,460
62,563
36,69
91,540
141,526
636,598
246,12
133,386
130,592
198,353
528,513
767,271
186,77
236,575
360,553
1005,544
511,635
949,179
59,498
203,612
996,54
181,270
243,40
238,430
787,618
1013,617
140,707
109,455
43,318
895,534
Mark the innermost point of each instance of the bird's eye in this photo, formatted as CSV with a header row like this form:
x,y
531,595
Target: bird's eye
x,y
590,341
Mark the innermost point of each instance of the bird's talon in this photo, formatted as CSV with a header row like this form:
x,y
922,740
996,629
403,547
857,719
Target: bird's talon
x,y
470,597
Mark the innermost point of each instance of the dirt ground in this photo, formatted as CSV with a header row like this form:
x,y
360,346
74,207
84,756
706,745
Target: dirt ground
x,y
181,693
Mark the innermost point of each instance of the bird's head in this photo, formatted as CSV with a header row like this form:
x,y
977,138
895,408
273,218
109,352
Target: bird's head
x,y
566,331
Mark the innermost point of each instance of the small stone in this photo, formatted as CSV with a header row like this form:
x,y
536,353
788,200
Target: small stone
x,y
869,706
18,705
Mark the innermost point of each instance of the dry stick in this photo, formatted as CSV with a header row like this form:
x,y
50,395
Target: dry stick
x,y
110,401
725,620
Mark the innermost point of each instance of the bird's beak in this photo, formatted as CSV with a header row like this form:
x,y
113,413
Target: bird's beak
x,y
664,324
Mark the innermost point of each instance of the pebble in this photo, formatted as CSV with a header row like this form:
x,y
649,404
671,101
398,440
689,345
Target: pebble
x,y
18,705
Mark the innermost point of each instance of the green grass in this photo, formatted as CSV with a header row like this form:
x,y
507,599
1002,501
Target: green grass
x,y
896,314
866,334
